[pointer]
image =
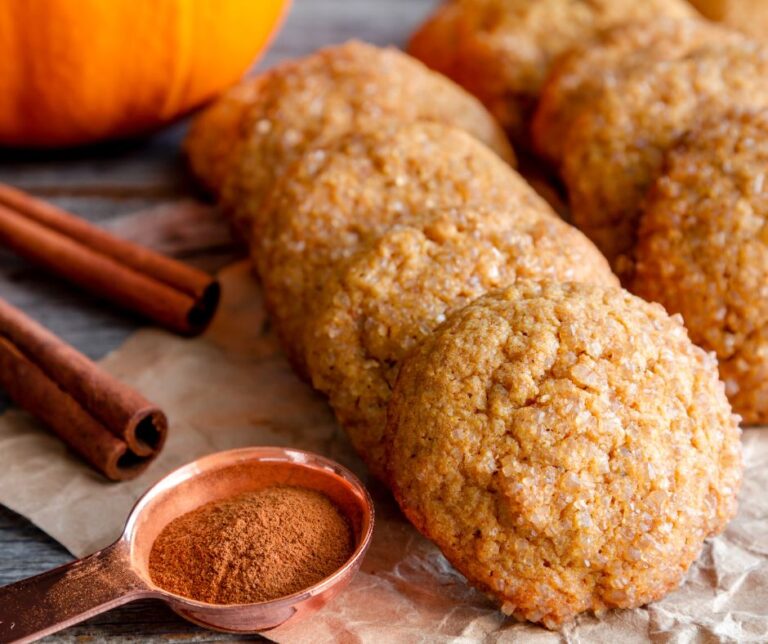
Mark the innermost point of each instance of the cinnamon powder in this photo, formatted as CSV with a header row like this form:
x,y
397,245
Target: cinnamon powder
x,y
252,547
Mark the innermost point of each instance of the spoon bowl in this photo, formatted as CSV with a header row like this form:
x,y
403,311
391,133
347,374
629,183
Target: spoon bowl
x,y
41,605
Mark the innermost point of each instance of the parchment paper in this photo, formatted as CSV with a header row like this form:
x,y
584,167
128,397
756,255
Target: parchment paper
x,y
233,388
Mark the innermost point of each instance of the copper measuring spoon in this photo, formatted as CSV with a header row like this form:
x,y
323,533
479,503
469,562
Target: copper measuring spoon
x,y
41,605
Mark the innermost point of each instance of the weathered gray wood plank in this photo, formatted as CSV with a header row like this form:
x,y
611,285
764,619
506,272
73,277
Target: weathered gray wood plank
x,y
106,184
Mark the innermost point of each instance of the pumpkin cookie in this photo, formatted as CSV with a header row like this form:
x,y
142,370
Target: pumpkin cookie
x,y
703,250
214,135
580,73
502,50
256,130
566,446
393,293
615,146
339,197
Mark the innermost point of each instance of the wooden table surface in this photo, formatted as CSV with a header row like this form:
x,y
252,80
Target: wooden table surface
x,y
107,185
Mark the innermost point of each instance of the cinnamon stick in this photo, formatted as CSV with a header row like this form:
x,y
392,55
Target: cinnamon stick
x,y
111,426
176,296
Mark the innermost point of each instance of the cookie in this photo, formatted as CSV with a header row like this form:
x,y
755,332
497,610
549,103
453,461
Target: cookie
x,y
502,50
748,16
393,293
339,197
582,71
257,129
216,132
566,446
616,145
703,251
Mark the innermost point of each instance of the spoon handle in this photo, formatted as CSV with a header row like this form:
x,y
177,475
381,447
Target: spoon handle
x,y
41,605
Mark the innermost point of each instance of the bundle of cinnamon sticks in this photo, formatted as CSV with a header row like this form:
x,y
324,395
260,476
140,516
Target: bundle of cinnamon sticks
x,y
111,426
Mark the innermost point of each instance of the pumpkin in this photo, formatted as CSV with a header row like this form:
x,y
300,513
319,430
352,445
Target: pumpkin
x,y
78,71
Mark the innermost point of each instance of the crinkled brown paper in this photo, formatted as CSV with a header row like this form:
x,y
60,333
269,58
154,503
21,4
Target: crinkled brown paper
x,y
233,388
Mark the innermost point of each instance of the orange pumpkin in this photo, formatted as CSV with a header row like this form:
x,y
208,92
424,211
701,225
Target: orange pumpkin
x,y
77,71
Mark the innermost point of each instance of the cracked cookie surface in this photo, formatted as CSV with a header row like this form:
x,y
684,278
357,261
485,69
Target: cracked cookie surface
x,y
703,250
250,136
616,146
393,293
339,197
581,72
566,446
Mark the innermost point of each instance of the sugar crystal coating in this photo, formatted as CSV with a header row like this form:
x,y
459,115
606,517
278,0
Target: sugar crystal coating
x,y
703,249
615,147
215,134
502,50
310,101
566,446
339,197
262,124
582,71
395,291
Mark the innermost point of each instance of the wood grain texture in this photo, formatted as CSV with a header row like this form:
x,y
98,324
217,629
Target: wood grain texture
x,y
117,186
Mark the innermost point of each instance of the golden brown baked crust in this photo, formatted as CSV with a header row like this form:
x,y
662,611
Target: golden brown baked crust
x,y
339,197
582,71
566,446
703,250
397,290
216,132
502,50
309,101
615,146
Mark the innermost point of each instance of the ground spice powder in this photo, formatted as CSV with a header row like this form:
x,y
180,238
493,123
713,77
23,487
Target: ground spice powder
x,y
252,547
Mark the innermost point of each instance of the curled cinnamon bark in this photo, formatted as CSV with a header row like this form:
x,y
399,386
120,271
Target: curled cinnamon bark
x,y
111,426
178,297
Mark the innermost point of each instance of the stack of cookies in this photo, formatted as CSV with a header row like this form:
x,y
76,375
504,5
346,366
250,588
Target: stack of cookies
x,y
652,119
562,441
663,165
503,50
